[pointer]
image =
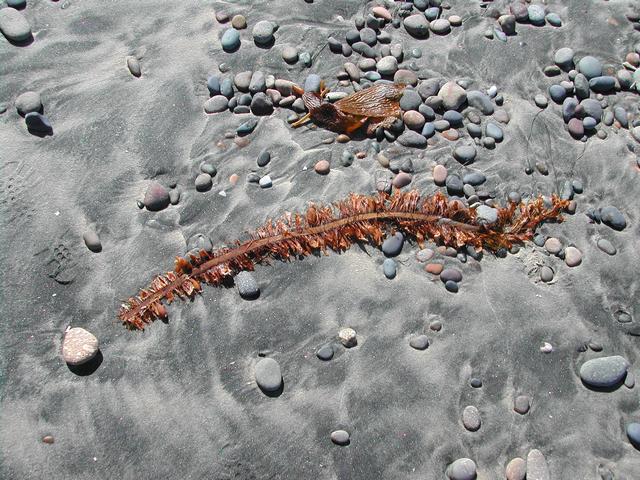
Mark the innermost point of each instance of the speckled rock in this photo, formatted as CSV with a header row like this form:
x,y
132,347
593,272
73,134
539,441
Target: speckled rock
x,y
79,346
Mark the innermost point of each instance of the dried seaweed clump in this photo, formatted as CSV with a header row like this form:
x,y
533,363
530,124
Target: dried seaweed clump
x,y
358,218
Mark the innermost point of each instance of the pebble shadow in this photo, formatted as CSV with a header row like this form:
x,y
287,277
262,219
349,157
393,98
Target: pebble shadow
x,y
87,368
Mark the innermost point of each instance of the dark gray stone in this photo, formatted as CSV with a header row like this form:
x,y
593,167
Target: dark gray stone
x,y
268,375
604,372
392,246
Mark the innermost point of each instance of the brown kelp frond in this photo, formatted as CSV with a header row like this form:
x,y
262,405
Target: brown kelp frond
x,y
358,218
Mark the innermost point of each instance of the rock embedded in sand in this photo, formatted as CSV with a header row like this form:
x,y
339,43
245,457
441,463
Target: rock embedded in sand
x,y
516,469
441,26
439,175
419,342
257,83
481,101
606,246
263,32
417,25
247,127
434,268
633,434
261,104
92,241
541,101
230,40
28,102
325,352
133,64
553,245
537,468
462,469
290,54
340,437
536,14
239,22
38,124
247,286
576,128
79,346
572,256
323,167
521,404
401,180
604,372
546,273
265,182
387,65
465,153
389,268
412,139
612,217
268,375
590,67
471,418
454,185
48,439
203,182
347,337
216,104
392,246
452,95
451,274
14,25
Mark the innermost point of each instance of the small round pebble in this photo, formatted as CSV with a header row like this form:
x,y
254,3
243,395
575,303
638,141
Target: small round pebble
x,y
340,437
216,104
325,352
265,182
465,153
434,268
451,286
230,40
612,217
541,101
268,375
290,54
348,337
263,32
79,346
537,468
389,267
462,469
247,286
606,246
475,382
239,22
471,418
14,26
392,246
92,241
419,342
516,469
441,26
521,404
203,182
633,434
439,174
546,273
322,167
156,198
48,439
572,256
28,102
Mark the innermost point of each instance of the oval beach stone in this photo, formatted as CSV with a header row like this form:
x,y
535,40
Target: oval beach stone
x,y
14,25
340,437
462,469
604,372
268,375
79,346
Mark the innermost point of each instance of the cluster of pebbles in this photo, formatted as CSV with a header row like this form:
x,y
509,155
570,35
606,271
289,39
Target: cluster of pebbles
x,y
518,13
594,95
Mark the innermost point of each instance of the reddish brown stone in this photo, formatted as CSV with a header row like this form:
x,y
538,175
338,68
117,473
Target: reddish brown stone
x,y
434,268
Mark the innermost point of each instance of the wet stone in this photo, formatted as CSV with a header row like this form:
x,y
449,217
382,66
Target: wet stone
x,y
516,469
268,375
79,346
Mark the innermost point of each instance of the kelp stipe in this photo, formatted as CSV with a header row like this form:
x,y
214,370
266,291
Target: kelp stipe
x,y
358,218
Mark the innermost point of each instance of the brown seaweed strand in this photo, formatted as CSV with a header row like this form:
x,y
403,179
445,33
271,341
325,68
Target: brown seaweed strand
x,y
359,218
